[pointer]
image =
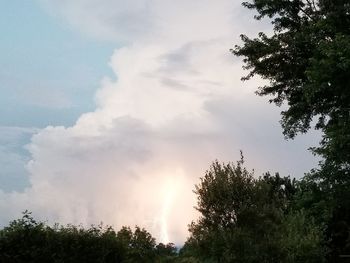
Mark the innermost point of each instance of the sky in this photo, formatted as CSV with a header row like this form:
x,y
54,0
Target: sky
x,y
112,110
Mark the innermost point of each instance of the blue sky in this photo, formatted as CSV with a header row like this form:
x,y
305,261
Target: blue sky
x,y
40,57
48,76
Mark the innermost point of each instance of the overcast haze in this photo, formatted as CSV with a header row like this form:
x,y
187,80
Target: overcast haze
x,y
148,118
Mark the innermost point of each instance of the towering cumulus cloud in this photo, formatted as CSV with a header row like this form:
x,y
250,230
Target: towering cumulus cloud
x,y
176,105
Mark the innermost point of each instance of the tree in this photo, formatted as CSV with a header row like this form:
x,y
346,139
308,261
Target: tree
x,y
307,63
26,240
166,253
244,219
140,245
22,239
301,239
327,201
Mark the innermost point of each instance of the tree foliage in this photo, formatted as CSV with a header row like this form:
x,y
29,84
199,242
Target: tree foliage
x,y
244,219
307,63
26,240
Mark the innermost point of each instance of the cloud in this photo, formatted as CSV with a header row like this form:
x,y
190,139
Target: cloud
x,y
13,158
109,19
152,20
177,104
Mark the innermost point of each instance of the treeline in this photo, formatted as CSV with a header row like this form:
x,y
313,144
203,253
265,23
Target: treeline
x,y
243,219
27,240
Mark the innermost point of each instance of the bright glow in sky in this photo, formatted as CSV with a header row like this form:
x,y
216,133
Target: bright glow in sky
x,y
168,198
140,138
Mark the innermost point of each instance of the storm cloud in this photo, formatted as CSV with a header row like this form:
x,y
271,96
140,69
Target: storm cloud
x,y
176,104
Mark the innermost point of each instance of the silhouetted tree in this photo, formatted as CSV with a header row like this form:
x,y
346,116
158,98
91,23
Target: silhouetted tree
x,y
306,60
244,219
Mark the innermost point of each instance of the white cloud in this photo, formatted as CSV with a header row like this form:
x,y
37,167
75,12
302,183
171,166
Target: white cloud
x,y
177,104
107,19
